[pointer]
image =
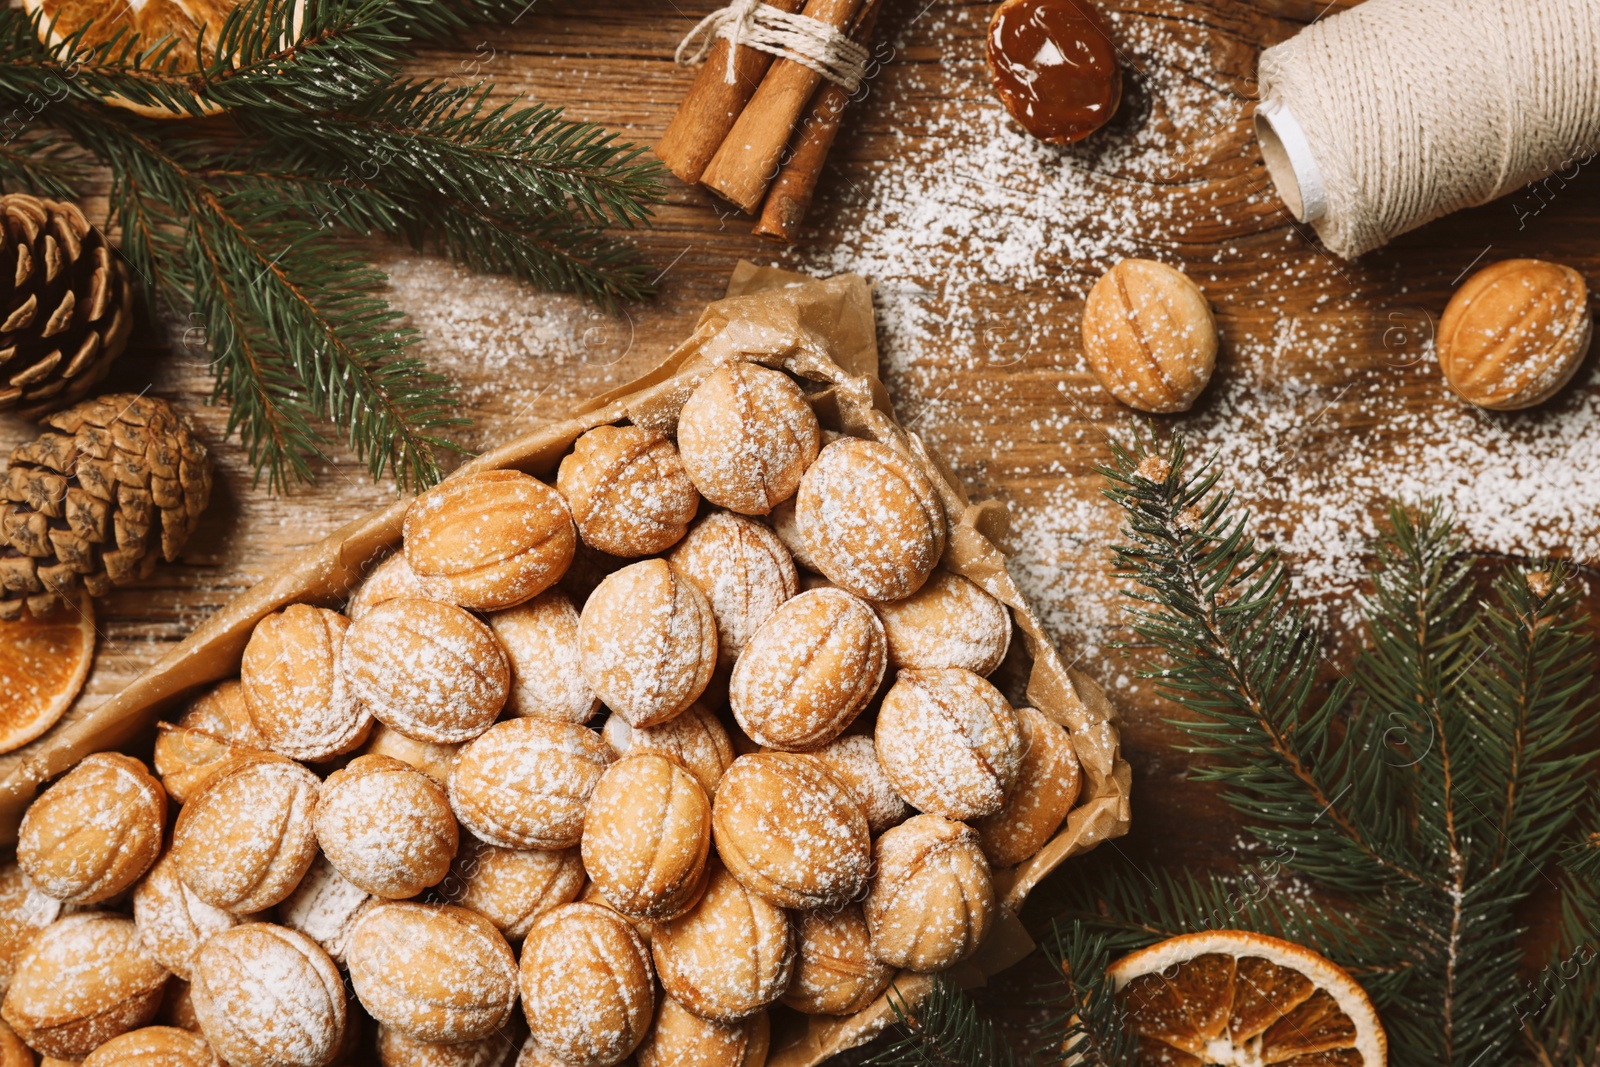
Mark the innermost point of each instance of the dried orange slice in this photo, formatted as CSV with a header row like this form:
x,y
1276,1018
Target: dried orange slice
x,y
1237,999
43,663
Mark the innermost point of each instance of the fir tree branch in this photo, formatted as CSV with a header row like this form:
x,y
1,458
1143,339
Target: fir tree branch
x,y
944,1029
1089,1016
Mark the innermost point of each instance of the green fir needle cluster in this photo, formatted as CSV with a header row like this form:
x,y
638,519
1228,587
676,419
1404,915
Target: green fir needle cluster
x,y
1414,818
240,221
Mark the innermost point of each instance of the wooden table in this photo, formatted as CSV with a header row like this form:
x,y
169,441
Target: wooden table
x,y
1321,347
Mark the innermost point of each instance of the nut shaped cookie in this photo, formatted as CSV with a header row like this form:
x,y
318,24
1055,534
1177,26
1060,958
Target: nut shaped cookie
x,y
696,739
85,979
389,580
871,521
628,491
1515,333
24,911
791,831
526,783
809,670
173,923
154,1046
266,996
489,540
395,1049
430,670
294,684
1046,788
949,742
744,571
649,642
588,989
325,907
835,972
931,902
246,840
386,826
646,837
433,758
511,887
13,1052
211,734
729,955
853,759
1149,336
432,971
680,1038
747,435
93,833
949,622
541,646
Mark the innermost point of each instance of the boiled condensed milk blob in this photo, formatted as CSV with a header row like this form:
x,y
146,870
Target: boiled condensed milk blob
x,y
1054,67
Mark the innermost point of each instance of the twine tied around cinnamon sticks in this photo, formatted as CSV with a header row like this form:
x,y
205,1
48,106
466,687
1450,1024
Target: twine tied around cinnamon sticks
x,y
798,37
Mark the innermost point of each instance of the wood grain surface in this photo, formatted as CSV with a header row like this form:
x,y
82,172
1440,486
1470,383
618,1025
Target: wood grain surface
x,y
1027,429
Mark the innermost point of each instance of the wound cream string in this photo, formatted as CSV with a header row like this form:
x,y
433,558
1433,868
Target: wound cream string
x,y
1388,115
752,24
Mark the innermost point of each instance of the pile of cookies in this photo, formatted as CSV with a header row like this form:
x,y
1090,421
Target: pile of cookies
x,y
760,764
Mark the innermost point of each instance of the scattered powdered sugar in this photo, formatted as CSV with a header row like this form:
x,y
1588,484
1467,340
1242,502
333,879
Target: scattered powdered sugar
x,y
696,739
269,994
853,759
588,983
386,826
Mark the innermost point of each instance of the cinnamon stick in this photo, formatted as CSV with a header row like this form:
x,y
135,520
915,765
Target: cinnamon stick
x,y
748,160
790,196
711,105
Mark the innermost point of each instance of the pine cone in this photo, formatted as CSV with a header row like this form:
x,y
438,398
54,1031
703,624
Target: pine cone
x,y
91,505
67,310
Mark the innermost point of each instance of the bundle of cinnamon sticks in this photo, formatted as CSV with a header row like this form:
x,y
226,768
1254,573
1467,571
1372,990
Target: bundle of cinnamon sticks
x,y
759,141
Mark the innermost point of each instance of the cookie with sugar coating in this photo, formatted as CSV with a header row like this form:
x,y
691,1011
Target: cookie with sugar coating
x,y
24,911
390,579
325,907
246,840
214,730
526,783
511,887
628,490
649,642
267,996
433,758
871,520
695,739
743,569
835,971
588,988
853,759
729,955
932,901
295,686
949,622
173,922
541,645
95,831
154,1046
386,826
949,742
646,837
1046,788
680,1038
747,435
396,1049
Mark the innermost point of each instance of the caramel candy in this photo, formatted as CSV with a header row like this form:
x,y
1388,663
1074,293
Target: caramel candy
x,y
949,622
173,922
85,979
791,831
649,642
696,740
526,783
1515,333
1046,788
588,989
1054,67
853,759
1149,336
628,490
931,902
835,970
93,833
729,955
541,646
680,1038
24,911
213,732
433,972
430,670
744,571
808,671
646,837
872,522
512,887
153,1046
245,841
949,742
433,758
747,435
489,540
386,827
325,907
269,997
389,580
294,684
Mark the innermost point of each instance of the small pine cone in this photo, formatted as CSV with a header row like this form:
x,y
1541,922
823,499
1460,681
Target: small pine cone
x,y
66,307
92,505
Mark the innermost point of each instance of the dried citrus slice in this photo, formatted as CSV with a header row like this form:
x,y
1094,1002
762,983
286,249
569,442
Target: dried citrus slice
x,y
43,663
1237,999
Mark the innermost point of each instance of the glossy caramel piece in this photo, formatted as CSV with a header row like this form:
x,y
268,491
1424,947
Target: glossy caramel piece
x,y
1054,67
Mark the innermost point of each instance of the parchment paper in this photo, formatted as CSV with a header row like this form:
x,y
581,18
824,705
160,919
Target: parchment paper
x,y
821,331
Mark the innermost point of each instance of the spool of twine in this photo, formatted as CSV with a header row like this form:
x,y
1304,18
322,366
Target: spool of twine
x,y
1386,116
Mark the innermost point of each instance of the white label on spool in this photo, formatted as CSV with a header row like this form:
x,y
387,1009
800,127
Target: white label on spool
x,y
1290,161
